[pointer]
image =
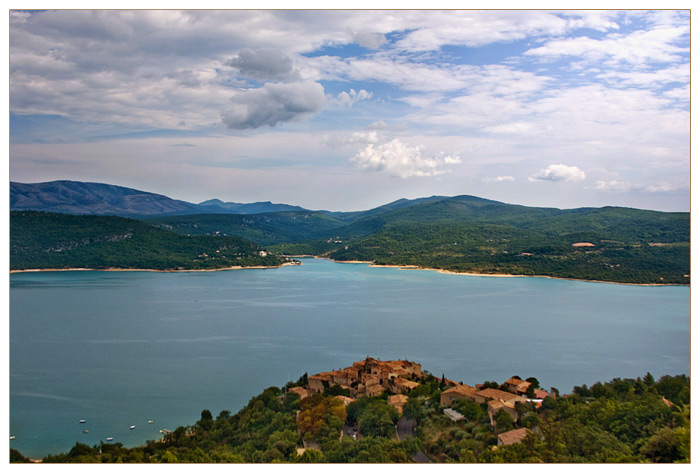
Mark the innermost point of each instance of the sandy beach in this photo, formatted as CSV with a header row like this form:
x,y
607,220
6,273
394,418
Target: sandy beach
x,y
491,275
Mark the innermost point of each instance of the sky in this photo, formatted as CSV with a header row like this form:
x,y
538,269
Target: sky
x,y
351,109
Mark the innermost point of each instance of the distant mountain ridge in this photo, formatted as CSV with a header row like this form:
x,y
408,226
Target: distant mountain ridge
x,y
91,198
252,208
74,197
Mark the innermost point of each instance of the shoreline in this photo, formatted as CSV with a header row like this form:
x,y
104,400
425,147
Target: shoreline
x,y
370,263
487,275
227,268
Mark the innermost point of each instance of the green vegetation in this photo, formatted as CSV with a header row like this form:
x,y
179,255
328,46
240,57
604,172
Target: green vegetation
x,y
621,421
470,234
264,229
41,240
462,234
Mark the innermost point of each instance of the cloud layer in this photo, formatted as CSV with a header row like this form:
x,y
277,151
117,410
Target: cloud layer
x,y
528,96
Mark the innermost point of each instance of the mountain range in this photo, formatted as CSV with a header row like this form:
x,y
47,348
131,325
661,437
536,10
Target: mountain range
x,y
460,233
90,198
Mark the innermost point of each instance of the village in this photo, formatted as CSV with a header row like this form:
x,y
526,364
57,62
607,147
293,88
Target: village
x,y
395,378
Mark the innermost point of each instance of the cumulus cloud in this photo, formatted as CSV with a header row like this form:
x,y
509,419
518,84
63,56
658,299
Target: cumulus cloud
x,y
273,103
348,99
264,64
559,172
399,159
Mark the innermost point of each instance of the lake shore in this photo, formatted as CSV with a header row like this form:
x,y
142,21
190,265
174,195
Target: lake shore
x,y
227,268
487,275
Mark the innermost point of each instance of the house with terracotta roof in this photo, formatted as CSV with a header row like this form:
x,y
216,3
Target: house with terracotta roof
x,y
513,436
301,392
319,382
399,385
490,393
455,393
517,386
398,401
496,405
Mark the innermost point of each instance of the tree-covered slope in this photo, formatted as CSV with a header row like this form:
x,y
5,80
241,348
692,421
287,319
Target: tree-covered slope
x,y
640,420
467,233
264,229
41,240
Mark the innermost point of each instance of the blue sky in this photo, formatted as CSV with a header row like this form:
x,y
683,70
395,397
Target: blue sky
x,y
348,110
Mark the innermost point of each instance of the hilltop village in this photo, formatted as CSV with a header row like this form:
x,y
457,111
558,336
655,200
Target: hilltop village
x,y
395,412
395,379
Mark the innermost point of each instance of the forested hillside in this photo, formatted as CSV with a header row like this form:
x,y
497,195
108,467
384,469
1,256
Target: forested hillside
x,y
464,234
41,240
469,234
640,420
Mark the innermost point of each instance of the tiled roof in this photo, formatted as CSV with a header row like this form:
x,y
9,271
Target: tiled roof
x,y
463,389
497,394
513,436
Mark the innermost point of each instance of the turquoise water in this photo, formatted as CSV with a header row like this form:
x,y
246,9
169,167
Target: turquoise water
x,y
121,348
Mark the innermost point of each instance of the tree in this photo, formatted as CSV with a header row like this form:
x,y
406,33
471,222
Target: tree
x,y
663,447
530,393
534,382
413,409
378,420
504,421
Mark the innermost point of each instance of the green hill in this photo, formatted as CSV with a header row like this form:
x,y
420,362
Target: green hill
x,y
470,234
41,240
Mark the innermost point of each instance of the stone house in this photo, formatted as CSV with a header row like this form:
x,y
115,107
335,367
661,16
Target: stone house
x,y
455,393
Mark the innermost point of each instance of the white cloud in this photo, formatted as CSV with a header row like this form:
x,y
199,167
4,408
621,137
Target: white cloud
x,y
348,99
613,185
626,186
369,40
398,159
355,138
515,128
273,104
559,172
637,48
499,179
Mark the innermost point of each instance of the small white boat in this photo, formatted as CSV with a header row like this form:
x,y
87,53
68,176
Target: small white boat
x,y
132,427
82,421
109,439
150,421
12,437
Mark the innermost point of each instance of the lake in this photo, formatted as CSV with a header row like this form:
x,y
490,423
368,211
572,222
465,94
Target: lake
x,y
118,349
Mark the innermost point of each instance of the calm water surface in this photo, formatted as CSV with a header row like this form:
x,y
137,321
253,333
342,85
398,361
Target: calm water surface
x,y
121,348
